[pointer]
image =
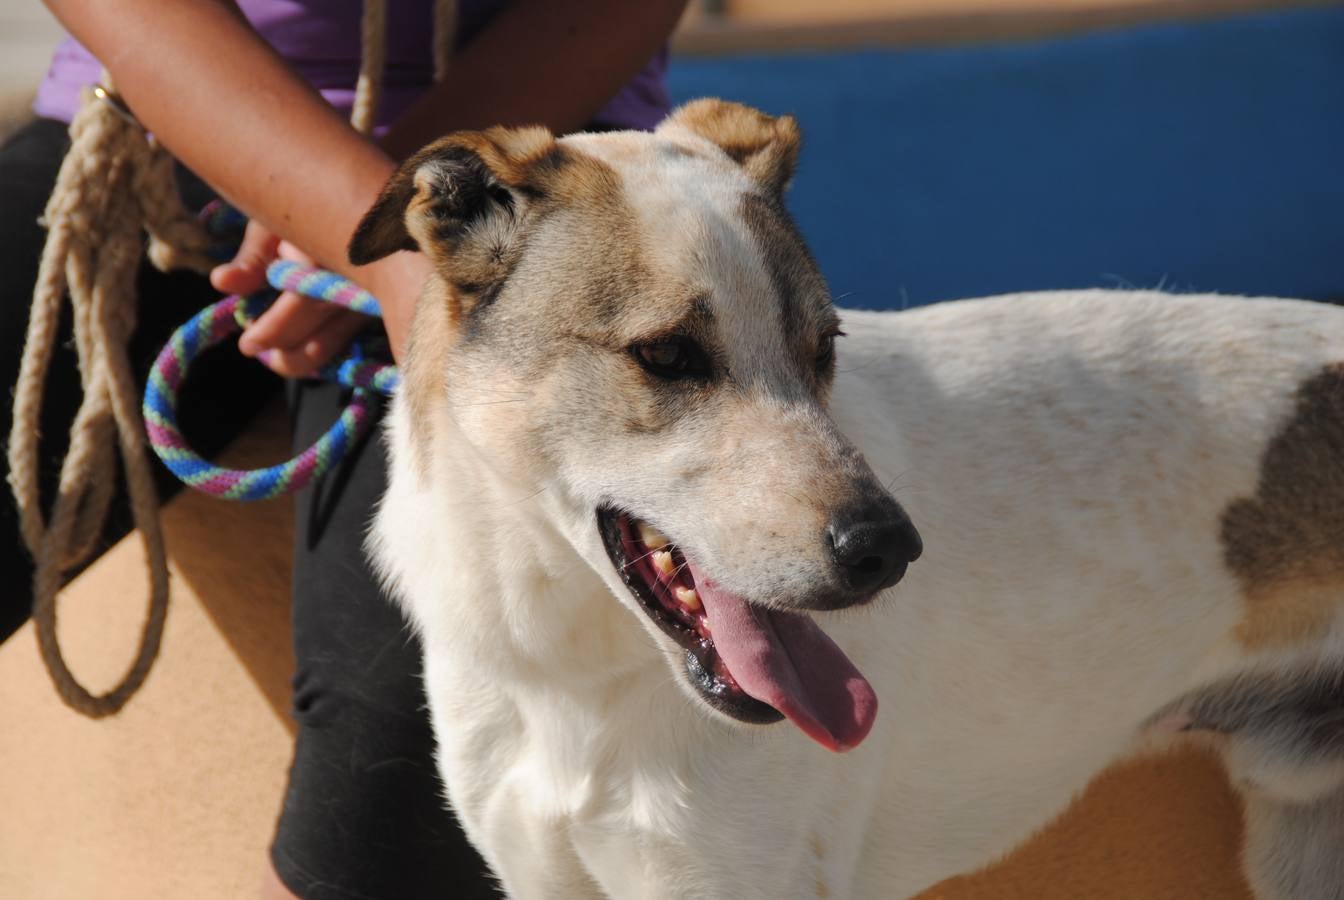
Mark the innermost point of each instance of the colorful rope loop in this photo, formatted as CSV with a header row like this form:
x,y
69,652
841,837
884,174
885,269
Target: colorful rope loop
x,y
365,371
248,309
323,285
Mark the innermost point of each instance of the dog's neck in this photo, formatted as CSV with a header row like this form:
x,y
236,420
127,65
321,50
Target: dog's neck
x,y
498,554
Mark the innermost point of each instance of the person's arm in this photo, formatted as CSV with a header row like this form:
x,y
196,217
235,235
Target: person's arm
x,y
539,62
197,76
230,109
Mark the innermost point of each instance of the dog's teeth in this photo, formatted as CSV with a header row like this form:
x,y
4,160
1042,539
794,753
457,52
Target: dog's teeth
x,y
662,561
652,537
687,597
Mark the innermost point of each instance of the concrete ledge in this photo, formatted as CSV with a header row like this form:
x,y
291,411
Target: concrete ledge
x,y
956,23
177,795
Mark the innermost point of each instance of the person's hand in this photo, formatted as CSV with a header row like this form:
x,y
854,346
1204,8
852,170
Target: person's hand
x,y
297,335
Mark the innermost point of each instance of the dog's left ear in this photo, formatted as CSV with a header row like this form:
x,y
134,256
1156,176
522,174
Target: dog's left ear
x,y
765,146
460,180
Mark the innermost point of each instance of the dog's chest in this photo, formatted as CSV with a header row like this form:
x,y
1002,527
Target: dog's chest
x,y
581,781
632,797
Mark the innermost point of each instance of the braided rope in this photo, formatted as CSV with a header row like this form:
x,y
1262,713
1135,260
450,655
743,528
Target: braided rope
x,y
445,33
115,186
219,321
373,51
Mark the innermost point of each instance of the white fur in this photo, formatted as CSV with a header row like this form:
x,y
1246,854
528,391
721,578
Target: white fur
x,y
1065,456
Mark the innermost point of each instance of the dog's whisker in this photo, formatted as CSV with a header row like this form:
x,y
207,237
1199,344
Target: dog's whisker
x,y
645,556
891,482
535,493
485,403
856,368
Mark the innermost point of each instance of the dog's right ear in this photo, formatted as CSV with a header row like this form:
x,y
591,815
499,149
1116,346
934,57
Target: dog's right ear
x,y
766,147
431,200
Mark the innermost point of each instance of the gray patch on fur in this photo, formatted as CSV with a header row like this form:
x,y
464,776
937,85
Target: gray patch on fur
x,y
1299,715
1283,743
1289,537
1295,851
805,309
793,272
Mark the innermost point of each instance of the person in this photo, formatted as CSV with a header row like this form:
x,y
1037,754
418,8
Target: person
x,y
250,97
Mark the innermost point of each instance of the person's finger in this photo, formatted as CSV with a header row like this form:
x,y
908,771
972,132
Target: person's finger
x,y
246,272
287,363
290,321
324,345
333,337
286,250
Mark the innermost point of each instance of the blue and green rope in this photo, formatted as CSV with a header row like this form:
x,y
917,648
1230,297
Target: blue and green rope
x,y
366,371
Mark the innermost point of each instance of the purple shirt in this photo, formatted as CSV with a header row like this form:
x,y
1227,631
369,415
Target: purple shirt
x,y
320,40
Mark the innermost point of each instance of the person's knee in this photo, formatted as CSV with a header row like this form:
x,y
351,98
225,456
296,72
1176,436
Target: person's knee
x,y
364,814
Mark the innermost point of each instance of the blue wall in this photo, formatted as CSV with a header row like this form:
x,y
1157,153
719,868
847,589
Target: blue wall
x,y
1205,156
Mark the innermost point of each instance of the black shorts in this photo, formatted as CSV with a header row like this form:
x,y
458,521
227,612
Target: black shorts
x,y
363,815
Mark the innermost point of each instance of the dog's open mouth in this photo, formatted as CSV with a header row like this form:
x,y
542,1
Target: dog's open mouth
x,y
754,664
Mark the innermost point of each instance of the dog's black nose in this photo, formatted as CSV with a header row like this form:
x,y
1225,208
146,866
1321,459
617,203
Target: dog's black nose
x,y
872,545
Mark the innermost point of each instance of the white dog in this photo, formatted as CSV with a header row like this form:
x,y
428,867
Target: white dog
x,y
641,496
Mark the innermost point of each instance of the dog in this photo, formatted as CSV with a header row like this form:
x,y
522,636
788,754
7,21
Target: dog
x,y
671,526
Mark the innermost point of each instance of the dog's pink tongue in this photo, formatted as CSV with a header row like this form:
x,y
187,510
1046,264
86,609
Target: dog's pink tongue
x,y
785,660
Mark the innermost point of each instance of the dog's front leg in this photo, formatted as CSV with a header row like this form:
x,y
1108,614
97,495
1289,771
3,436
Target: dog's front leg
x,y
535,860
505,802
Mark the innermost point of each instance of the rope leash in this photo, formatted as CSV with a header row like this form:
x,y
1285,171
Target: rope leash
x,y
364,370
115,186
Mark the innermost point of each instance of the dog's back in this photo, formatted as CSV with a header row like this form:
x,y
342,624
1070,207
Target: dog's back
x,y
1133,507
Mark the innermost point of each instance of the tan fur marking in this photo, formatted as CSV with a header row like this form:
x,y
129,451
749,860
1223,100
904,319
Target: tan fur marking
x,y
583,179
823,889
765,146
572,246
804,302
1287,614
431,340
1286,544
509,153
526,159
818,848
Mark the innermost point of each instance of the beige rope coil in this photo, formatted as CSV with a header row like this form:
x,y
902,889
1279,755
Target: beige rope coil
x,y
373,53
114,185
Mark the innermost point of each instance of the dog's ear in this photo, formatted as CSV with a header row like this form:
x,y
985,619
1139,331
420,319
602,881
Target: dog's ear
x,y
765,146
430,203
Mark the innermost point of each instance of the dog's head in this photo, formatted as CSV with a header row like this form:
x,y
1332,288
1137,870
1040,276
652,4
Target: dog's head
x,y
631,322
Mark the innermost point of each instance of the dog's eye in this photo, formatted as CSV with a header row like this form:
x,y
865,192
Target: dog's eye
x,y
678,357
826,349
